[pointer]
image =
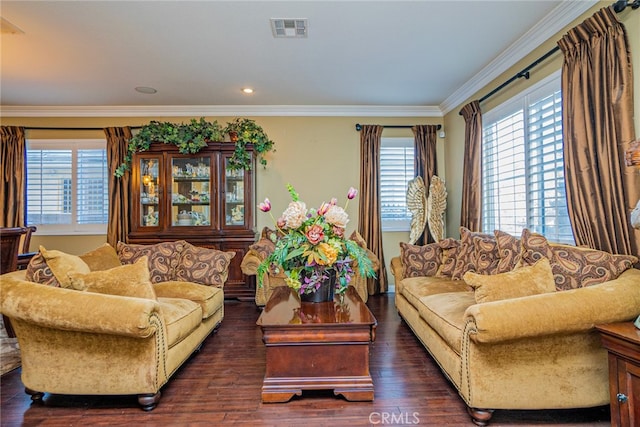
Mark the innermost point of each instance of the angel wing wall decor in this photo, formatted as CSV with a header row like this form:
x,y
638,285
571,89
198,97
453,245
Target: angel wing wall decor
x,y
417,205
436,206
635,216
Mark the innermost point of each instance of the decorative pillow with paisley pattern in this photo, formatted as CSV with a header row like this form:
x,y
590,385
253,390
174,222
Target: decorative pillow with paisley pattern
x,y
263,247
574,267
509,252
450,250
204,265
39,272
420,261
478,253
163,257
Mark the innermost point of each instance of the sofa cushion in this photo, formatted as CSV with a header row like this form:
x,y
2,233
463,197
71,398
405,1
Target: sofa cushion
x,y
521,282
130,280
509,252
39,272
203,265
414,288
102,258
574,267
181,317
420,260
444,312
163,257
62,264
209,298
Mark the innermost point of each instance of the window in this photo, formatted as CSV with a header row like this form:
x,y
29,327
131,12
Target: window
x,y
396,170
67,186
523,167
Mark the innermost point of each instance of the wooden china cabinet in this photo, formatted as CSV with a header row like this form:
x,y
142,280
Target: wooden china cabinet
x,y
197,198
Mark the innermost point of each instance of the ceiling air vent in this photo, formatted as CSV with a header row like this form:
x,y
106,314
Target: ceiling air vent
x,y
286,28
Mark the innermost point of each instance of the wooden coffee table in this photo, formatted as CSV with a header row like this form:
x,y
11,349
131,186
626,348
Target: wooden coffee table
x,y
313,346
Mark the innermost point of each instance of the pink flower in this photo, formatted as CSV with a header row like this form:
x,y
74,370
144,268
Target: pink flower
x,y
315,234
334,201
338,231
265,206
324,207
352,193
281,223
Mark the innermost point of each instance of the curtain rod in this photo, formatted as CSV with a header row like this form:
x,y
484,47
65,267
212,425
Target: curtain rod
x,y
618,7
359,126
71,128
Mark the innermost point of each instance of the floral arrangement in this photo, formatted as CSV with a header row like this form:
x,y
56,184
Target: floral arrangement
x,y
311,244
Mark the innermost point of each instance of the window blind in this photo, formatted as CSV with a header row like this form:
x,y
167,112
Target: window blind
x,y
396,170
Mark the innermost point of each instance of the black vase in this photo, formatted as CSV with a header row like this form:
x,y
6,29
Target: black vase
x,y
324,293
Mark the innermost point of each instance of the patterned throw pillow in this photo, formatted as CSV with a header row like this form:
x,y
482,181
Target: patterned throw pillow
x,y
574,267
420,261
509,252
450,250
129,280
263,247
478,253
204,265
163,257
39,272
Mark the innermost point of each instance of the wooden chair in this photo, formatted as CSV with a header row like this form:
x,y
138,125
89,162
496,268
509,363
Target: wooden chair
x,y
10,238
24,256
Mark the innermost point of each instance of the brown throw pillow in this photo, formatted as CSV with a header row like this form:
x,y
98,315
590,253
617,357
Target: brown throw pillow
x,y
102,258
204,265
130,280
39,272
574,267
521,282
509,252
62,264
450,250
478,252
163,258
420,261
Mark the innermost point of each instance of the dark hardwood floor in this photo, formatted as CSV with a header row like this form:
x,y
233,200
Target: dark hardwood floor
x,y
221,384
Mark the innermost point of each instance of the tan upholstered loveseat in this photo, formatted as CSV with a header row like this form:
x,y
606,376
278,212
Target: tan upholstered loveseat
x,y
511,321
113,323
260,250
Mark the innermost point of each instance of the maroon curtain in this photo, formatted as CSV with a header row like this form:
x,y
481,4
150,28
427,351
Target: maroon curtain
x,y
425,165
369,211
119,200
12,155
471,209
597,96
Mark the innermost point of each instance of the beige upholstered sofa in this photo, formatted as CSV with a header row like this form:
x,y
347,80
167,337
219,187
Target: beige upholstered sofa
x,y
260,250
113,323
511,321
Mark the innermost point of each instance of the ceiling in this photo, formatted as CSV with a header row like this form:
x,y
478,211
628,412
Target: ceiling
x,y
421,55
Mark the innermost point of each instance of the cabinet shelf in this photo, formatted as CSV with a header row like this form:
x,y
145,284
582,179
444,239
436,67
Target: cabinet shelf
x,y
190,204
191,179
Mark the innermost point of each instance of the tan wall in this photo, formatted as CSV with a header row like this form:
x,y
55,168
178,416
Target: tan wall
x,y
319,156
454,123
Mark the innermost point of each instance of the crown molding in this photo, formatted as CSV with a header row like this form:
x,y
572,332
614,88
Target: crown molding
x,y
221,110
565,13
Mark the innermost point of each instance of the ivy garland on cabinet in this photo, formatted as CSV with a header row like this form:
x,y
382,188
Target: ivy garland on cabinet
x,y
191,137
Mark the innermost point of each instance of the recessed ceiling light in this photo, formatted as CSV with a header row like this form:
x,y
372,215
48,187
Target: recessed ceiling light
x,y
145,89
247,90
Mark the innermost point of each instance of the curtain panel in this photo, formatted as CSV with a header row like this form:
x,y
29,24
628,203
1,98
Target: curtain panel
x,y
597,87
12,191
471,209
425,164
119,198
369,211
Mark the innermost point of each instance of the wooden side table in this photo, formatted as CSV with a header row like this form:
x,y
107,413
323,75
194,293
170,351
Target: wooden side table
x,y
622,341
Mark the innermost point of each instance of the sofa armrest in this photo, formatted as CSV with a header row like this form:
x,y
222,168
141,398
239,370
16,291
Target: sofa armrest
x,y
562,312
72,310
397,269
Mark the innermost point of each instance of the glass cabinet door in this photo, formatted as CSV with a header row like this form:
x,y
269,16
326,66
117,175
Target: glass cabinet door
x,y
191,191
149,191
234,190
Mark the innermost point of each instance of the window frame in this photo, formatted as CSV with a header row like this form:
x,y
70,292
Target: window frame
x,y
531,150
74,228
389,225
